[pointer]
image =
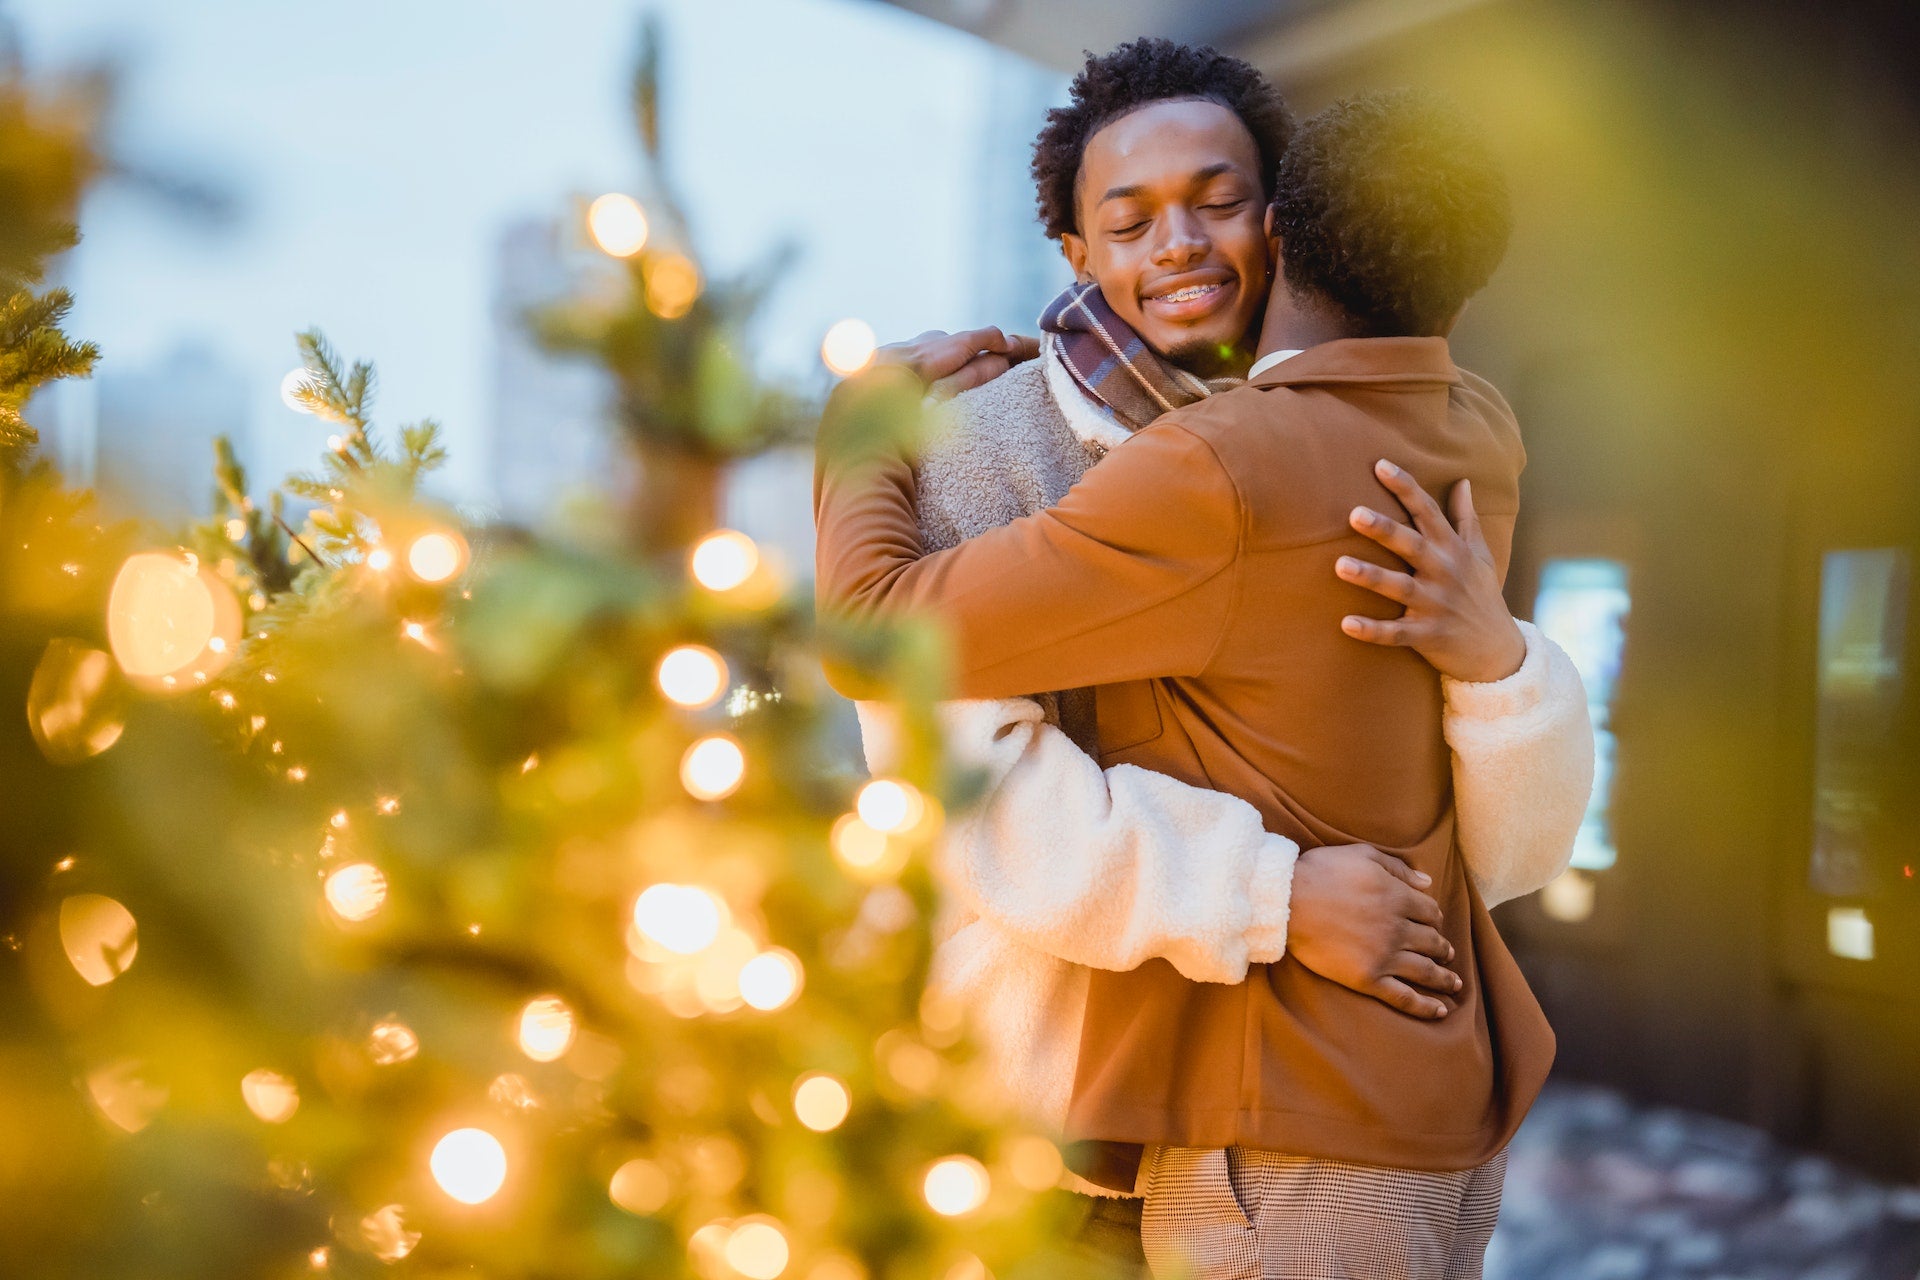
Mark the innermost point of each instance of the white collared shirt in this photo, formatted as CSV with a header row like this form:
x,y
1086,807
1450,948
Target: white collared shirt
x,y
1267,362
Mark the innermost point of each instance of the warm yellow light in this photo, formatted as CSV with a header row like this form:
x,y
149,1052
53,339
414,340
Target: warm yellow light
x,y
415,631
673,285
968,1267
161,614
771,980
296,381
470,1165
640,1187
1569,897
125,1096
716,976
1034,1162
356,891
713,767
821,1102
269,1095
849,347
71,704
723,560
757,1248
99,936
235,529
890,806
1849,933
392,1042
837,1266
546,1028
339,820
867,853
683,918
707,1248
617,224
380,559
386,1235
956,1185
319,1256
692,676
436,556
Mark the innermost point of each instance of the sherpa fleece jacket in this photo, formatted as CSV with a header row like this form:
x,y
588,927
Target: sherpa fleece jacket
x,y
1063,867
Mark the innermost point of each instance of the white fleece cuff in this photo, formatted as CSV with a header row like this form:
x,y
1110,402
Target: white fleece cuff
x,y
1519,693
1271,892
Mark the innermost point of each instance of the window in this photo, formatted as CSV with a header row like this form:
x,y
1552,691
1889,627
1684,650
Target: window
x,y
1582,607
1863,635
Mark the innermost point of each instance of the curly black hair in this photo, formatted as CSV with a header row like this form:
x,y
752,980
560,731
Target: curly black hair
x,y
1392,207
1136,75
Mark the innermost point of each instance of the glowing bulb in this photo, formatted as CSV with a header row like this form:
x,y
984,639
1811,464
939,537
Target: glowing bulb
x,y
692,676
683,918
956,1185
392,1042
849,347
470,1165
99,936
771,980
72,703
415,631
356,891
713,767
723,560
436,556
270,1096
125,1096
618,224
379,559
757,1248
672,285
296,381
890,806
821,1102
236,529
546,1028
162,613
386,1235
1034,1162
640,1187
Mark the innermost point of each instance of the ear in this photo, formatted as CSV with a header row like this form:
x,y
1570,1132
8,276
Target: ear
x,y
1270,224
1075,249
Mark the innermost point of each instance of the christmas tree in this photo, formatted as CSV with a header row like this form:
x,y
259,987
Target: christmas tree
x,y
388,896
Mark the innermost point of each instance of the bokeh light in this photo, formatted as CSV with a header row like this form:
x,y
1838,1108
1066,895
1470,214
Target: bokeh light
x,y
672,285
713,767
771,980
890,806
163,614
1034,1162
379,559
617,224
385,1233
392,1042
271,1096
848,347
956,1185
99,936
356,891
470,1165
865,853
125,1096
71,704
546,1028
757,1248
821,1101
684,919
692,676
436,556
724,560
640,1187
296,381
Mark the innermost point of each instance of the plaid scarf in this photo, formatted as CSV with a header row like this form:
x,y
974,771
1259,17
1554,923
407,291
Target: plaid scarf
x,y
1125,378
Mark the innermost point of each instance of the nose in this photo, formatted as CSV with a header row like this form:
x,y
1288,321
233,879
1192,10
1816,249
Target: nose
x,y
1183,240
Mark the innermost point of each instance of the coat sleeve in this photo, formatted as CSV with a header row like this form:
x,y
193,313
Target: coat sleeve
x,y
1096,867
1522,770
1131,576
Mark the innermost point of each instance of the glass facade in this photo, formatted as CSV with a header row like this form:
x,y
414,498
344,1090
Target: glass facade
x,y
1582,607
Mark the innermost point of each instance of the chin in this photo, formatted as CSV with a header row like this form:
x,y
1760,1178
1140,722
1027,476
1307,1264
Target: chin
x,y
1198,352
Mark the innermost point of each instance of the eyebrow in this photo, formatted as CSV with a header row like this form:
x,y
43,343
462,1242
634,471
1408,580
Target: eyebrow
x,y
1207,174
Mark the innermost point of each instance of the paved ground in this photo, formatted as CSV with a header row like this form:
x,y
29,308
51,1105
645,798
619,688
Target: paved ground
x,y
1598,1189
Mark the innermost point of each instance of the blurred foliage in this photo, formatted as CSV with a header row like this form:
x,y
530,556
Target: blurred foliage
x,y
338,852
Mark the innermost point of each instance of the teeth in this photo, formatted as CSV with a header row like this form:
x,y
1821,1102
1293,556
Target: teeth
x,y
1188,294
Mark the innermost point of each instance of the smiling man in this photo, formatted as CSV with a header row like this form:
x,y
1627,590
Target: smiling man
x,y
1156,179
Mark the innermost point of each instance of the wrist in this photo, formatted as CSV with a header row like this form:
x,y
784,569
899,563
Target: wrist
x,y
1270,895
1500,660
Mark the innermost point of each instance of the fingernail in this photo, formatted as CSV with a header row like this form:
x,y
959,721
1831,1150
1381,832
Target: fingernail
x,y
1387,467
1422,879
1347,564
1458,982
1362,516
1449,951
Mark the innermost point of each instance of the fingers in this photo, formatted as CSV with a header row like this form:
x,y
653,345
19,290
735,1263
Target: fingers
x,y
1398,867
977,371
1021,348
1426,940
1423,971
987,339
1422,913
1384,631
1391,534
1465,518
1391,583
1426,513
1398,995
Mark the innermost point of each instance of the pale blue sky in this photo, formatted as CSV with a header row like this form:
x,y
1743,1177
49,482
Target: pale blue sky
x,y
376,148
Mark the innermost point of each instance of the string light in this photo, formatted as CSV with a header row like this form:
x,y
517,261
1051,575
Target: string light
x,y
99,936
436,556
865,853
296,381
271,1096
692,676
1034,1162
379,559
890,806
162,613
392,1042
470,1165
71,708
713,767
771,980
757,1248
386,1235
821,1102
684,919
955,1186
724,560
356,891
125,1096
672,285
849,347
640,1187
617,224
546,1028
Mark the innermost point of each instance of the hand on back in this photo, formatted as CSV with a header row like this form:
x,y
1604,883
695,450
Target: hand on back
x,y
1362,918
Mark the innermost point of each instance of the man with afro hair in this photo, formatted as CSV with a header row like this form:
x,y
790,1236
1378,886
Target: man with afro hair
x,y
1216,954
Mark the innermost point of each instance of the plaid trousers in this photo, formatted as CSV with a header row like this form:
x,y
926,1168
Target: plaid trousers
x,y
1240,1214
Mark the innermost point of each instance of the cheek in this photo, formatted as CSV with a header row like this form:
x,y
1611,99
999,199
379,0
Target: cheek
x,y
1116,269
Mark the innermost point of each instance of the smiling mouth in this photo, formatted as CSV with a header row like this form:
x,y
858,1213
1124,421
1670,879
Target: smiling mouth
x,y
1192,293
